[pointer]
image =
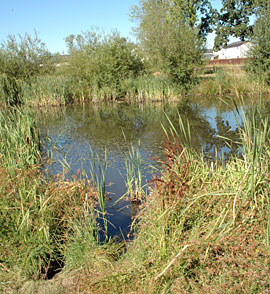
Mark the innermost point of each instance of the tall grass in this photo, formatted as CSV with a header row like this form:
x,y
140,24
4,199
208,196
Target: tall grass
x,y
47,90
38,216
19,140
255,147
205,226
134,175
228,81
135,192
61,89
152,88
98,173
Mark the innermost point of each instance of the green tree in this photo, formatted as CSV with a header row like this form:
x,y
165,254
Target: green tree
x,y
198,14
259,63
236,18
24,57
169,32
21,59
102,61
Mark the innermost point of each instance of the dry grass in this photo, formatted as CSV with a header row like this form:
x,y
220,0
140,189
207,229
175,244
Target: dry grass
x,y
201,230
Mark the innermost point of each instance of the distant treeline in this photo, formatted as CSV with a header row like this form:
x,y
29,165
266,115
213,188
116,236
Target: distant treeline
x,y
103,66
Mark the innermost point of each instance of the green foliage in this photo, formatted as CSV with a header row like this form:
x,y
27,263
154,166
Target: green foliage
x,y
259,63
169,36
37,215
102,62
234,20
198,14
24,57
183,56
10,90
20,59
19,142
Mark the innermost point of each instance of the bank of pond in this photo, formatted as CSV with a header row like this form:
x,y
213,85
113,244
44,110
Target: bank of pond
x,y
136,198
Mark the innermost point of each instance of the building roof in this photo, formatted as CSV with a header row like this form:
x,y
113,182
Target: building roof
x,y
235,44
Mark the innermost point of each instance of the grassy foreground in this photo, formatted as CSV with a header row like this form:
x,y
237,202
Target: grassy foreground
x,y
37,214
205,227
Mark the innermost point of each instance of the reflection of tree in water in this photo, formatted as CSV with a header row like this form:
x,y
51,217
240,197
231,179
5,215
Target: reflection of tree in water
x,y
119,125
205,137
224,130
201,132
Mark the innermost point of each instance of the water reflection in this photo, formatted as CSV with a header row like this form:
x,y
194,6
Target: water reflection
x,y
73,130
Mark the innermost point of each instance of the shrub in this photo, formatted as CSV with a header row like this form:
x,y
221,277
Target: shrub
x,y
20,59
99,63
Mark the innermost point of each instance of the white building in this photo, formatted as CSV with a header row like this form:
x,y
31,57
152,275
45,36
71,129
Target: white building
x,y
234,50
209,54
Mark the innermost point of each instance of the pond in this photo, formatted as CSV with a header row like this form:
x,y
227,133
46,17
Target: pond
x,y
74,136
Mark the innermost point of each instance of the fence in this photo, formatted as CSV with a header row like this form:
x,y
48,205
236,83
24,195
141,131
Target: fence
x,y
233,61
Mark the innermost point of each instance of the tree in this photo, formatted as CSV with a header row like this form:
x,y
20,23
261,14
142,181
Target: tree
x,y
170,33
102,61
235,19
24,57
259,63
199,14
21,59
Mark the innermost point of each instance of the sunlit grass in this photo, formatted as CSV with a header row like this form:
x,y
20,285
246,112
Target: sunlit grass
x,y
205,226
38,215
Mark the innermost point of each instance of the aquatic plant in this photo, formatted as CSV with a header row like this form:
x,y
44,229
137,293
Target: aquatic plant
x,y
204,228
38,215
98,171
19,141
134,176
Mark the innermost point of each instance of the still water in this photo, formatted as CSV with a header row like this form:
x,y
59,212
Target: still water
x,y
72,134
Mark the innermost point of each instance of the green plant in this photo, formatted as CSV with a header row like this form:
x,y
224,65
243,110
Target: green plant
x,y
99,64
19,138
133,176
38,216
21,59
98,175
259,63
170,32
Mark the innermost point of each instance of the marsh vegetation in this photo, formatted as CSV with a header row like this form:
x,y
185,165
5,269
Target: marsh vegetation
x,y
124,197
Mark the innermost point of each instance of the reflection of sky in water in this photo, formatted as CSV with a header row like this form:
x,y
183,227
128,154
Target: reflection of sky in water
x,y
230,116
75,129
76,154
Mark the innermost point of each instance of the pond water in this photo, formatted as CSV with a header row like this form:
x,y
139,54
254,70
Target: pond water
x,y
72,134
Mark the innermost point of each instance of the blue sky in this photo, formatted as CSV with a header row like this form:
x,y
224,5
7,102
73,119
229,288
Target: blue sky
x,y
56,19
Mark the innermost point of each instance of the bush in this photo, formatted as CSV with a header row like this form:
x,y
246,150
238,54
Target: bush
x,y
20,60
102,63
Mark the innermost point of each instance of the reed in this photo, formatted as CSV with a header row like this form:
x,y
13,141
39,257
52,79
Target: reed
x,y
134,176
205,225
98,171
19,138
47,90
255,147
153,88
38,215
228,81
